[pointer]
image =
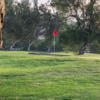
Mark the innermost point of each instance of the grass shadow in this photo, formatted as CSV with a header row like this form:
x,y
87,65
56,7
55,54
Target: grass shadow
x,y
63,98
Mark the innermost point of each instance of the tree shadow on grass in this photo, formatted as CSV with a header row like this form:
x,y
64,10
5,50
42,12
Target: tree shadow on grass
x,y
58,60
11,76
46,54
37,97
63,98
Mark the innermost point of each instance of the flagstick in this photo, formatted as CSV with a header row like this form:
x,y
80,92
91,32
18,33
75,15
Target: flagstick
x,y
54,45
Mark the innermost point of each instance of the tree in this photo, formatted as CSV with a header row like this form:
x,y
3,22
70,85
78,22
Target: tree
x,y
30,21
21,23
95,47
2,14
12,24
86,13
49,22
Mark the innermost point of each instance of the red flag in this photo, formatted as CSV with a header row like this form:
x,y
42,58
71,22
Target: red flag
x,y
55,33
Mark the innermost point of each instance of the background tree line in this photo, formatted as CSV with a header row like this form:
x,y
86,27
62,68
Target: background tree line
x,y
24,23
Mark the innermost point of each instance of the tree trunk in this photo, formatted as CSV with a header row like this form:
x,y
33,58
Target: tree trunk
x,y
30,45
1,42
2,14
49,49
84,48
11,48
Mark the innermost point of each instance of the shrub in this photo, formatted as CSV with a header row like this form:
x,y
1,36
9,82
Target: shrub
x,y
42,46
95,47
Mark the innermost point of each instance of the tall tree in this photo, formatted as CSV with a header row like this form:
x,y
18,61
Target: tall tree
x,y
86,13
49,22
2,14
21,22
12,27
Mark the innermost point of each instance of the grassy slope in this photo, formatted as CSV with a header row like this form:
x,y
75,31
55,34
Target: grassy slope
x,y
36,77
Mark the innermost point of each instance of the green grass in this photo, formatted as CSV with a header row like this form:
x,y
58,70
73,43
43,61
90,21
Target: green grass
x,y
36,77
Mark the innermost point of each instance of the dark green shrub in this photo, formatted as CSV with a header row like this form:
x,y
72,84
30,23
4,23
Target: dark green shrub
x,y
95,47
58,47
42,46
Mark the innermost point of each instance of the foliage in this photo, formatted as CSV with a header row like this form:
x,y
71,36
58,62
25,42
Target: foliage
x,y
85,16
72,48
42,46
50,21
29,20
58,46
69,35
33,47
12,26
67,48
24,23
21,22
95,47
70,39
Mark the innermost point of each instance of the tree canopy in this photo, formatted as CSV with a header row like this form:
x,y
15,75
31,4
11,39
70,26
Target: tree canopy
x,y
86,17
25,23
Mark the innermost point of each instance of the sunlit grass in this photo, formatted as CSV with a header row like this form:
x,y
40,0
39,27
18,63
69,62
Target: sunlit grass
x,y
36,77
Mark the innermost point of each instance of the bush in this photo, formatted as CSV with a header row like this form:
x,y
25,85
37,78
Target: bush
x,y
75,48
33,47
42,46
95,47
58,47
